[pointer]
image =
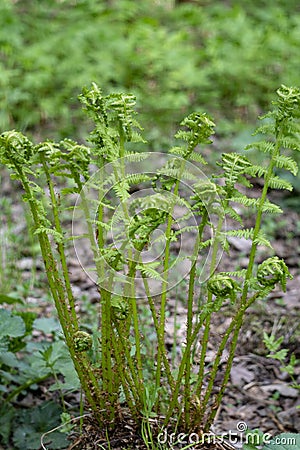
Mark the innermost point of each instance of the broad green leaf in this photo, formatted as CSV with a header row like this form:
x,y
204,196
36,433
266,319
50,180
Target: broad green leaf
x,y
284,441
47,324
11,325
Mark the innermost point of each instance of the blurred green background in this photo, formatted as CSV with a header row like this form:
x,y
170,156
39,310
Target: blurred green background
x,y
226,58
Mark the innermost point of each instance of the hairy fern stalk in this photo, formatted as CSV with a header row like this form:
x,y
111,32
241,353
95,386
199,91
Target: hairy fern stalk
x,y
105,177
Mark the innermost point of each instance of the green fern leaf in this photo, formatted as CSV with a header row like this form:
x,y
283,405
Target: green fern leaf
x,y
262,240
286,162
194,156
121,189
256,171
148,270
272,208
246,233
231,212
262,146
237,273
57,236
289,142
268,128
233,165
278,183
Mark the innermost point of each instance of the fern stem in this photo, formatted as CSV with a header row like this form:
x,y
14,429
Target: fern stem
x,y
160,343
60,245
85,374
134,382
106,355
189,325
206,332
128,379
259,218
234,325
186,354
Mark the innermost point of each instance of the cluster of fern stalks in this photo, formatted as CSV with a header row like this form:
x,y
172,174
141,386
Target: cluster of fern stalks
x,y
112,362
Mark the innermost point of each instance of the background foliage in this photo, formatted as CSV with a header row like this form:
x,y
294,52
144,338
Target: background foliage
x,y
225,58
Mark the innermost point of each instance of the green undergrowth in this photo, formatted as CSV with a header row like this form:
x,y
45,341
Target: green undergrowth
x,y
226,58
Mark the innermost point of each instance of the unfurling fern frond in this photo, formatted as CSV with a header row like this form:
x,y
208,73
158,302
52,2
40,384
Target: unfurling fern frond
x,y
199,129
113,116
288,100
234,165
78,157
121,106
222,286
143,224
120,307
15,149
272,271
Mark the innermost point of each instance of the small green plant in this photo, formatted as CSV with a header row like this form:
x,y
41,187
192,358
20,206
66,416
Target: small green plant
x,y
280,354
136,211
24,364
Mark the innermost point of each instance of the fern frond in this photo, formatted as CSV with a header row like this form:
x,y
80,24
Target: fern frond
x,y
237,273
133,157
148,270
137,178
104,225
286,162
246,233
262,146
57,236
194,156
187,229
179,151
290,142
199,128
279,183
272,208
178,174
121,189
245,201
261,239
268,207
256,171
231,212
205,244
267,128
292,127
233,165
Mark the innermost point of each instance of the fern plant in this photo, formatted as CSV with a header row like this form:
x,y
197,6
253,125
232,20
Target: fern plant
x,y
127,205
